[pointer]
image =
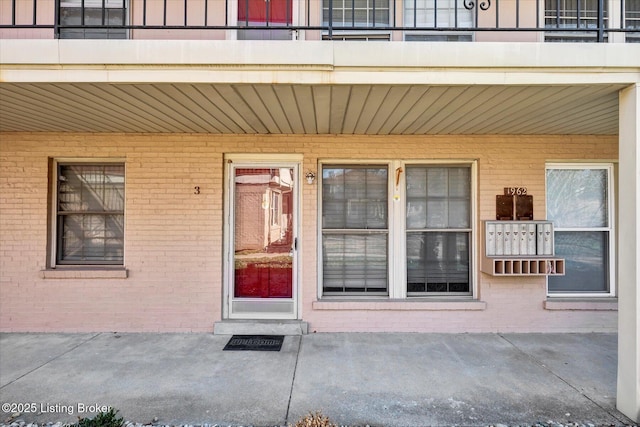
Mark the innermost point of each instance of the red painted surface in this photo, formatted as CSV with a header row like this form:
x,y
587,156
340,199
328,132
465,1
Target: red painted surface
x,y
258,280
262,11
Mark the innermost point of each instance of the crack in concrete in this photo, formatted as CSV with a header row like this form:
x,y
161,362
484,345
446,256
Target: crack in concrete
x,y
546,368
293,380
51,360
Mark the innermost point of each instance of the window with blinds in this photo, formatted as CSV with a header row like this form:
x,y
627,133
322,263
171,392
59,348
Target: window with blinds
x,y
372,245
356,14
355,230
568,14
632,20
438,224
437,14
96,14
90,214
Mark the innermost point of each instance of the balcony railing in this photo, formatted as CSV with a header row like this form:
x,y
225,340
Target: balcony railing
x,y
557,20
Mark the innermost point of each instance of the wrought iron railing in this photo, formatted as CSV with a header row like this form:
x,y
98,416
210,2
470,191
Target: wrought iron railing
x,y
561,20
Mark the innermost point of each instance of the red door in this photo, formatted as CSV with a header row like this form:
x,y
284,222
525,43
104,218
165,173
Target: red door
x,y
264,12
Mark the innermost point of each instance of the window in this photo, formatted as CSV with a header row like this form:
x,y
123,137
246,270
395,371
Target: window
x,y
356,13
580,206
354,230
438,224
275,208
568,14
89,214
447,14
95,13
632,20
421,247
358,37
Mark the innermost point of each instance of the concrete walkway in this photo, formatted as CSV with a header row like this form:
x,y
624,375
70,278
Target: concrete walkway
x,y
354,379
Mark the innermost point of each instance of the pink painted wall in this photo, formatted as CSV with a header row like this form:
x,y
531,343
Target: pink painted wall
x,y
24,16
173,237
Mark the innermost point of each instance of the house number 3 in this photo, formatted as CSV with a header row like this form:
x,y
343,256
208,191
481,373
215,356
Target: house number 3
x,y
196,190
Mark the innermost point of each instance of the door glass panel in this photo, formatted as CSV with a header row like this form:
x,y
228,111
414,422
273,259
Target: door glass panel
x,y
263,235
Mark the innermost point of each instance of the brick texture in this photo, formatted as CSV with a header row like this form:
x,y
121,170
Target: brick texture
x,y
174,237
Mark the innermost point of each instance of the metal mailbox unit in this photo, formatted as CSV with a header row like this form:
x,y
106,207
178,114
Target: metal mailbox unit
x,y
520,248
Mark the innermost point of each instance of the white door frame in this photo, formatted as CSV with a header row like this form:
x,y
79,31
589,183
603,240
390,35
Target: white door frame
x,y
232,162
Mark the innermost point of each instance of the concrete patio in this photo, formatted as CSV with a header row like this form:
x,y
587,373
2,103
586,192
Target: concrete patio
x,y
353,378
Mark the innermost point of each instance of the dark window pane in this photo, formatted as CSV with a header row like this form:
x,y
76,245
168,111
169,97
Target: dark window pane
x,y
95,16
438,262
587,261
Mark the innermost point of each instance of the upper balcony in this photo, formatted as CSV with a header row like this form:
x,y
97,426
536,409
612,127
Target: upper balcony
x,y
395,20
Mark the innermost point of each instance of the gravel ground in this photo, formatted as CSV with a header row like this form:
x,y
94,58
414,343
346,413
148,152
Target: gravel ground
x,y
19,423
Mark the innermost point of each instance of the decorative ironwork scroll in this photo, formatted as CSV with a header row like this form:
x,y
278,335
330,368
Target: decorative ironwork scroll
x,y
483,5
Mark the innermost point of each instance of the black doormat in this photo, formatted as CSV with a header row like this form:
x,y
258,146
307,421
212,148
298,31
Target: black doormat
x,y
255,342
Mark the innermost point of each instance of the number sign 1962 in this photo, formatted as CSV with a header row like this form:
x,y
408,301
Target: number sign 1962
x,y
515,191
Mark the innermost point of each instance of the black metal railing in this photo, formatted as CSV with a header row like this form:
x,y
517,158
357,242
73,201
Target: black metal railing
x,y
560,20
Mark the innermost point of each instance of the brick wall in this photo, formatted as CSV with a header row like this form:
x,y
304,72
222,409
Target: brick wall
x,y
174,237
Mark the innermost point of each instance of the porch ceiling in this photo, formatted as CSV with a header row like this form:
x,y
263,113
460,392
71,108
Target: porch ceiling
x,y
259,108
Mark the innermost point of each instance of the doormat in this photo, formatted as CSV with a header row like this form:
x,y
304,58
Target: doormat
x,y
255,343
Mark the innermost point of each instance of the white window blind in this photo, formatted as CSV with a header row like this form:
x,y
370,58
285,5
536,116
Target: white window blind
x,y
437,14
438,223
354,230
431,228
357,13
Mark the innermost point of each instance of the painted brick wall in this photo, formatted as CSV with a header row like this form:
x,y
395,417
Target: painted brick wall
x,y
173,237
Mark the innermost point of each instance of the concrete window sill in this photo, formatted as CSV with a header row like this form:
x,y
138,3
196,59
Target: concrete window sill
x,y
85,273
399,305
587,304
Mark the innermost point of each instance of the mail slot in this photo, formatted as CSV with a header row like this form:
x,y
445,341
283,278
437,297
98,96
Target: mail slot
x,y
514,207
